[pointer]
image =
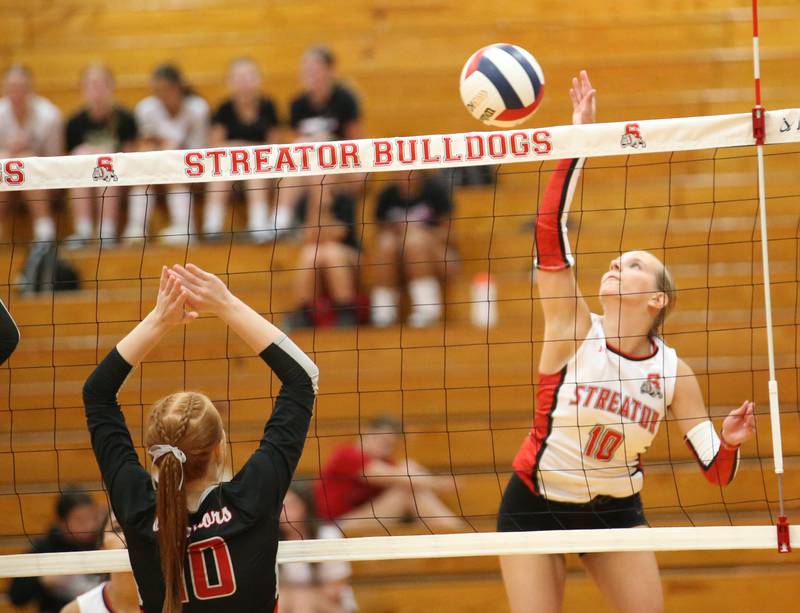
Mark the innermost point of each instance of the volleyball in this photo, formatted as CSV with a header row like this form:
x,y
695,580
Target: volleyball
x,y
502,85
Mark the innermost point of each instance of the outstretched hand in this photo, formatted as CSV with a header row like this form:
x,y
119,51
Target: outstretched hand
x,y
204,291
171,303
584,105
740,424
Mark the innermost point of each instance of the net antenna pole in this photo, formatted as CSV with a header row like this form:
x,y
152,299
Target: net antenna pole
x,y
784,544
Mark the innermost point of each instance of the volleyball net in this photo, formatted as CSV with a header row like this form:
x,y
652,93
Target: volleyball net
x,y
461,385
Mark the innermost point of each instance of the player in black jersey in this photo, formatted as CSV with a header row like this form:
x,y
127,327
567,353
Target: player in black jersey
x,y
196,544
9,334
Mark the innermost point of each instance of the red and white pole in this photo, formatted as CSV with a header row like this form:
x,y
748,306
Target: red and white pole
x,y
784,544
758,110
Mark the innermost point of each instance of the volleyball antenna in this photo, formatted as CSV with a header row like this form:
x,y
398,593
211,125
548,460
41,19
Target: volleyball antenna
x,y
759,130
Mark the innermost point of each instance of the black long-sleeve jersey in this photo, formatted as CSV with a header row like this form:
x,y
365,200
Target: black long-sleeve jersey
x,y
9,334
233,535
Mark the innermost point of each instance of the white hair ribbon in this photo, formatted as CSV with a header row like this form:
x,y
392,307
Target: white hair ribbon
x,y
156,451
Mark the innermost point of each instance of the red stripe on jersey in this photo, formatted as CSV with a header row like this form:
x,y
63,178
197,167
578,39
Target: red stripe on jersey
x,y
635,358
721,470
527,459
512,114
106,601
551,248
476,59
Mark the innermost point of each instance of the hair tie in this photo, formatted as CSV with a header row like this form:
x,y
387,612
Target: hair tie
x,y
157,451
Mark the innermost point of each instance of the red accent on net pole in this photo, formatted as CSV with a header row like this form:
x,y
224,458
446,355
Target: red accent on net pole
x,y
759,128
755,18
784,542
758,110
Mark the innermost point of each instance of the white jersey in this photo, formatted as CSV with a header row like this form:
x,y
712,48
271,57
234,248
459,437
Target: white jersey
x,y
94,601
41,132
186,130
594,419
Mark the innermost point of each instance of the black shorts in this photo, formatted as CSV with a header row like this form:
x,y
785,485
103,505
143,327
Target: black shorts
x,y
523,511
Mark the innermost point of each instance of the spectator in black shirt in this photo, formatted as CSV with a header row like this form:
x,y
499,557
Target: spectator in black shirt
x,y
102,126
197,544
412,214
78,527
327,267
325,107
325,110
246,118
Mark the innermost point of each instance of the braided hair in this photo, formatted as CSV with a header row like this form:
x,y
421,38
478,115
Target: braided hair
x,y
190,422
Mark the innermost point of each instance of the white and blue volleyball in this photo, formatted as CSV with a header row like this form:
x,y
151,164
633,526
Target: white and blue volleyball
x,y
502,85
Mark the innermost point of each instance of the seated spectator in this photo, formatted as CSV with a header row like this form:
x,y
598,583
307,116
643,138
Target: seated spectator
x,y
412,215
29,126
325,110
362,485
246,118
328,262
117,595
172,118
78,527
325,106
306,587
102,126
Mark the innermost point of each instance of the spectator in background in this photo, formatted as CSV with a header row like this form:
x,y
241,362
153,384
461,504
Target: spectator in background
x,y
78,527
413,215
117,595
363,484
174,117
246,118
328,264
325,106
324,110
29,126
102,126
308,587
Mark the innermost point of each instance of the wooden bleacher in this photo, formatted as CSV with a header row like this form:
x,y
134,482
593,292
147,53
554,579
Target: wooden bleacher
x,y
465,396
667,59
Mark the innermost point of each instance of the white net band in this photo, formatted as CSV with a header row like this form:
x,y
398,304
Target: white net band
x,y
438,546
393,154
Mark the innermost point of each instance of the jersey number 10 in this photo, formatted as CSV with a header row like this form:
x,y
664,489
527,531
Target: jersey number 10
x,y
202,586
602,443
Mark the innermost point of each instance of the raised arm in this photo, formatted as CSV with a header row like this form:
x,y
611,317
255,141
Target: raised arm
x,y
207,292
269,471
127,482
170,310
717,455
566,315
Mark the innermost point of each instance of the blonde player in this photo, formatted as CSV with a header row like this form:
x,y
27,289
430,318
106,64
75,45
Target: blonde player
x,y
605,384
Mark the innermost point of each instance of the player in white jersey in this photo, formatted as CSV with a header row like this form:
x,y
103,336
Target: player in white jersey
x,y
605,384
117,595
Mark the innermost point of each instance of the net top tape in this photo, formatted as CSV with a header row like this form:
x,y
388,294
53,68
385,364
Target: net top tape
x,y
277,161
439,546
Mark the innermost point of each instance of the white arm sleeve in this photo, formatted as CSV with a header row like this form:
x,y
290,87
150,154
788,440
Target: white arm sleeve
x,y
705,441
